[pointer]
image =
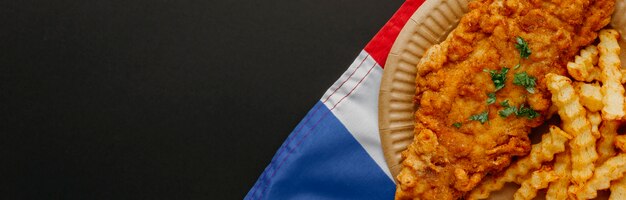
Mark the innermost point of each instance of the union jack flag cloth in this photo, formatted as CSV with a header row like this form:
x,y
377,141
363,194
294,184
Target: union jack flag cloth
x,y
335,151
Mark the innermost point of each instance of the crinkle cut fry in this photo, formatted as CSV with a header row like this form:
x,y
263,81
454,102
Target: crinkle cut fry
x,y
595,119
620,142
610,170
574,116
606,146
618,189
551,144
538,180
562,167
590,96
582,69
611,76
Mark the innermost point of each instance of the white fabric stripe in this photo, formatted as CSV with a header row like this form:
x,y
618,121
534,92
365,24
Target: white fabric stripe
x,y
358,112
343,80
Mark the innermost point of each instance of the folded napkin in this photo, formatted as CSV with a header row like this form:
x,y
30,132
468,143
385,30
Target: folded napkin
x,y
335,151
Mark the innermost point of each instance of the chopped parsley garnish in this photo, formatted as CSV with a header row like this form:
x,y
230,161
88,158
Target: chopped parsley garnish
x,y
523,111
525,80
517,66
498,78
527,112
505,103
522,47
491,98
508,109
457,124
481,117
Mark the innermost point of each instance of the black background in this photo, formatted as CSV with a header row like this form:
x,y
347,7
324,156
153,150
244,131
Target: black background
x,y
163,99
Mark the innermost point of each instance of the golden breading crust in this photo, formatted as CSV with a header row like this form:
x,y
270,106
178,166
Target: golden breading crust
x,y
451,86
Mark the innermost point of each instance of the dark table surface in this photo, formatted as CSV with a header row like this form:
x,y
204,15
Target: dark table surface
x,y
163,99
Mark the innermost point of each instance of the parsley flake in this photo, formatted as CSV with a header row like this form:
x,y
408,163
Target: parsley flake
x,y
517,66
498,78
481,117
491,98
522,47
508,109
505,103
527,112
457,124
523,111
525,80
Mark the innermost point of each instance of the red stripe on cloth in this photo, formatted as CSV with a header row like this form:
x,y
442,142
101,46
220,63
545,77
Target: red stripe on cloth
x,y
380,45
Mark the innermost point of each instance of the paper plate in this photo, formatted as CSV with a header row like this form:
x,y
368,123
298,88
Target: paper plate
x,y
429,25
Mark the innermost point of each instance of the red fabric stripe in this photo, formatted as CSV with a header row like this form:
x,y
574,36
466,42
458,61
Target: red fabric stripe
x,y
380,45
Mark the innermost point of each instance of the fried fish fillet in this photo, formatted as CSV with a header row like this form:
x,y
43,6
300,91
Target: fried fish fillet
x,y
453,147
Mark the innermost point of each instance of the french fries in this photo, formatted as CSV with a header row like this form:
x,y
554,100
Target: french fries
x,y
606,146
618,189
620,142
595,119
590,96
610,170
538,180
575,122
551,143
611,76
562,167
582,69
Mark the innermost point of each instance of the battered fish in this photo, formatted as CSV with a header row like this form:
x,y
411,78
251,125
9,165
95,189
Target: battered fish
x,y
481,91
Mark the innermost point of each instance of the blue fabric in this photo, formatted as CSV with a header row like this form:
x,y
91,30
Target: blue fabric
x,y
321,160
